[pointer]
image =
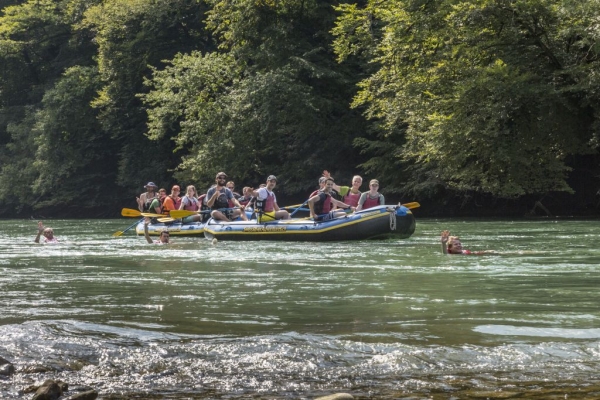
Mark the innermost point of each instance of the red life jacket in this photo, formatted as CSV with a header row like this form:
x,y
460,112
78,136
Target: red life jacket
x,y
268,204
323,206
369,202
351,198
190,205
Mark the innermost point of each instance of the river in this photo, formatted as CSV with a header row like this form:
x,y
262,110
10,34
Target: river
x,y
271,320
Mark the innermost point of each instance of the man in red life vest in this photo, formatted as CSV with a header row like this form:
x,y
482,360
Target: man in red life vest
x,y
266,202
322,203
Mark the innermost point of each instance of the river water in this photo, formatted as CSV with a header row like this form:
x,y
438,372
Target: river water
x,y
381,319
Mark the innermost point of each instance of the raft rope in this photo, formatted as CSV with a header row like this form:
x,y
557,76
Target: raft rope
x,y
392,221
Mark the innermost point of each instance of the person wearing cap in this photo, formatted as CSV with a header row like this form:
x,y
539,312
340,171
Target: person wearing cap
x,y
321,205
172,201
145,199
47,232
266,202
218,198
371,198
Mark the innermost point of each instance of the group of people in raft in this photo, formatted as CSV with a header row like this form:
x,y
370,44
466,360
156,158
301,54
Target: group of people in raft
x,y
221,202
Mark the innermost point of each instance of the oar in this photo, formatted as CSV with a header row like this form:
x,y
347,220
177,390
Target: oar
x,y
298,209
166,219
294,206
130,212
185,213
119,233
412,205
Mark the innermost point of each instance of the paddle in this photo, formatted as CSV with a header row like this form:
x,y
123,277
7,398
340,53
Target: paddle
x,y
294,206
298,209
120,233
166,219
130,212
412,205
185,213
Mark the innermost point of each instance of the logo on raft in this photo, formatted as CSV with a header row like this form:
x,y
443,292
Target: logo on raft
x,y
265,229
369,214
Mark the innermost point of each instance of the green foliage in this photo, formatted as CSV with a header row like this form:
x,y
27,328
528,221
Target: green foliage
x,y
271,101
74,164
133,36
491,90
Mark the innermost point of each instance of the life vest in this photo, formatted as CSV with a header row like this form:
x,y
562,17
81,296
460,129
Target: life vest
x,y
369,202
320,205
351,198
268,204
190,204
324,205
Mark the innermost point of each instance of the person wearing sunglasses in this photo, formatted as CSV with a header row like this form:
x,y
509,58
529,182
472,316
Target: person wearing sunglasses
x,y
372,198
162,239
218,199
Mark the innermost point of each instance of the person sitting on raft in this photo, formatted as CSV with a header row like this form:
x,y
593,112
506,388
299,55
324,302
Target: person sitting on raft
x,y
190,202
266,202
372,198
47,232
172,201
146,199
322,203
218,197
452,245
350,194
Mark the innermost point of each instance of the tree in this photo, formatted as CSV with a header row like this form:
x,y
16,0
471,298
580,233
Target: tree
x,y
270,100
492,92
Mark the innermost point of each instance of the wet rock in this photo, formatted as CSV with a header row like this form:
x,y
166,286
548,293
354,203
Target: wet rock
x,y
50,390
36,369
89,395
337,396
6,368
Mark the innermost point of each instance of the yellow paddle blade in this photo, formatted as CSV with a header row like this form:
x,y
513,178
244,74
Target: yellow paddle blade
x,y
118,233
166,219
181,213
412,205
151,215
130,212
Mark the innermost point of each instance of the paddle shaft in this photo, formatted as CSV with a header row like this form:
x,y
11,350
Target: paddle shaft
x,y
119,233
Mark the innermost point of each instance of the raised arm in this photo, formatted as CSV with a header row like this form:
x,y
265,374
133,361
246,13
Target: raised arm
x,y
444,240
40,231
335,186
146,234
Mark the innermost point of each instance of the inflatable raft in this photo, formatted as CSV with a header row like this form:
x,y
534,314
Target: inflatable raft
x,y
374,223
174,228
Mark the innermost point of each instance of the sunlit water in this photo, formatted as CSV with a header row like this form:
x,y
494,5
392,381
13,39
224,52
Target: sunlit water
x,y
380,319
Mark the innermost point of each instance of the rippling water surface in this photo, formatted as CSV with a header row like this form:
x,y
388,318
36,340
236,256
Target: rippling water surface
x,y
381,319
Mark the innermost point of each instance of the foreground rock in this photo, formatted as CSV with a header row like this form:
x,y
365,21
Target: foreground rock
x,y
89,395
50,390
6,368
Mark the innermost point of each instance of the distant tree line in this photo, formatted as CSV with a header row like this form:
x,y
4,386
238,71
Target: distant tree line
x,y
451,103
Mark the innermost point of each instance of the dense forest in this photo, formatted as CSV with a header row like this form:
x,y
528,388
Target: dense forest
x,y
481,107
